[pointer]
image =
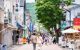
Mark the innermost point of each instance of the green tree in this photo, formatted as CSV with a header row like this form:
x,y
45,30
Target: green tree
x,y
49,12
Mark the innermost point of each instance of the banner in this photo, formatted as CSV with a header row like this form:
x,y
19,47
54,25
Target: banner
x,y
31,27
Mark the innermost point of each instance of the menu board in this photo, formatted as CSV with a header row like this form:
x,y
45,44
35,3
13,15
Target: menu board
x,y
70,36
73,35
77,36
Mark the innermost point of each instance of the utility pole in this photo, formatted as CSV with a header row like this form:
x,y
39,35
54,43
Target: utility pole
x,y
70,18
24,33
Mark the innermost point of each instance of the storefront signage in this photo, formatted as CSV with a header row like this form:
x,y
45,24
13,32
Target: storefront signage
x,y
76,21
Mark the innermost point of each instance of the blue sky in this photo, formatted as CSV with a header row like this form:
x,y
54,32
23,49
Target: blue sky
x,y
30,1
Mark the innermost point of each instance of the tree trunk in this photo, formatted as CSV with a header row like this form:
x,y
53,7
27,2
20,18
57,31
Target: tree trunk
x,y
56,33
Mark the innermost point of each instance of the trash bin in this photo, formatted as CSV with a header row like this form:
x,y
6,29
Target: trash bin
x,y
4,47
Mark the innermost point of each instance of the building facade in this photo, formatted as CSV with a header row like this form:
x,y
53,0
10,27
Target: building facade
x,y
31,18
72,11
1,19
9,23
11,18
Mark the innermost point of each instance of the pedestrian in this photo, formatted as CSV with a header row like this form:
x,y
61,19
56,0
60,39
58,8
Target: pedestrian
x,y
54,40
43,37
28,38
39,41
34,40
46,40
50,40
17,37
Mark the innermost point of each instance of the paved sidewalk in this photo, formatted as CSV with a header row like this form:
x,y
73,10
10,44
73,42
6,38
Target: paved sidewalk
x,y
30,47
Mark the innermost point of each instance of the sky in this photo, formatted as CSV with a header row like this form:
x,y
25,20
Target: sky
x,y
30,1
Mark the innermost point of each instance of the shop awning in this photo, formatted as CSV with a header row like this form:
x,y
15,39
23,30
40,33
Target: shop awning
x,y
70,30
18,25
10,26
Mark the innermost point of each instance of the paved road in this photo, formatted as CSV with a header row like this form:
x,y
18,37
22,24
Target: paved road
x,y
29,47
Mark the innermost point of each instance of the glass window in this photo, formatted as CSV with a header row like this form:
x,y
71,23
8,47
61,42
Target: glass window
x,y
9,17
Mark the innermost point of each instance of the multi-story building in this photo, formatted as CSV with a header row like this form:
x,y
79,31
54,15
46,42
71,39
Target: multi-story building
x,y
31,17
9,23
72,11
11,18
1,19
31,8
20,16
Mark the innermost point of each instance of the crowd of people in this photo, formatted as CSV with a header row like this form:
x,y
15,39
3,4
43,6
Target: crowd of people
x,y
38,39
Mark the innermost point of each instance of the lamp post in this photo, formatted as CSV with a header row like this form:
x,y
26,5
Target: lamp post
x,y
66,10
24,19
69,15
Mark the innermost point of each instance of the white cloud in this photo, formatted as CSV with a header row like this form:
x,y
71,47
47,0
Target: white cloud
x,y
30,1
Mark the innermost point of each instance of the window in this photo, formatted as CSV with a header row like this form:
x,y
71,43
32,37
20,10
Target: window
x,y
21,3
16,8
9,16
78,14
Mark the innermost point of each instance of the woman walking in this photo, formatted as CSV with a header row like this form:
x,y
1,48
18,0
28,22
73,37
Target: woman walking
x,y
39,41
34,40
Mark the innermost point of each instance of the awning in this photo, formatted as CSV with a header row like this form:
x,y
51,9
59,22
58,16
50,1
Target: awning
x,y
70,30
12,26
18,25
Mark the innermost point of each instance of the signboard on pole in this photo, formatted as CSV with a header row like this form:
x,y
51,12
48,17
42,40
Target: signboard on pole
x,y
31,27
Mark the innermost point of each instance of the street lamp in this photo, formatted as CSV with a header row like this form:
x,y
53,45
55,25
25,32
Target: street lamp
x,y
62,6
24,19
69,11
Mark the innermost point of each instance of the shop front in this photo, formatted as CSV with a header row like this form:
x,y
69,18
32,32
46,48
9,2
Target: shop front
x,y
1,28
20,33
71,36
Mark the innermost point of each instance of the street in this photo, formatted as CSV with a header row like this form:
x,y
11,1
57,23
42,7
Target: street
x,y
29,47
40,22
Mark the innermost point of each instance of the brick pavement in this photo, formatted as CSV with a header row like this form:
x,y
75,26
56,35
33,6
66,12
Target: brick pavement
x,y
29,47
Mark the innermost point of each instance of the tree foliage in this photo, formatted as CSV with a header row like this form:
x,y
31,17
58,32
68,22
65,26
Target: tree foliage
x,y
49,12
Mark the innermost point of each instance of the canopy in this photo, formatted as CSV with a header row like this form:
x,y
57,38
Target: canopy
x,y
18,25
70,30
